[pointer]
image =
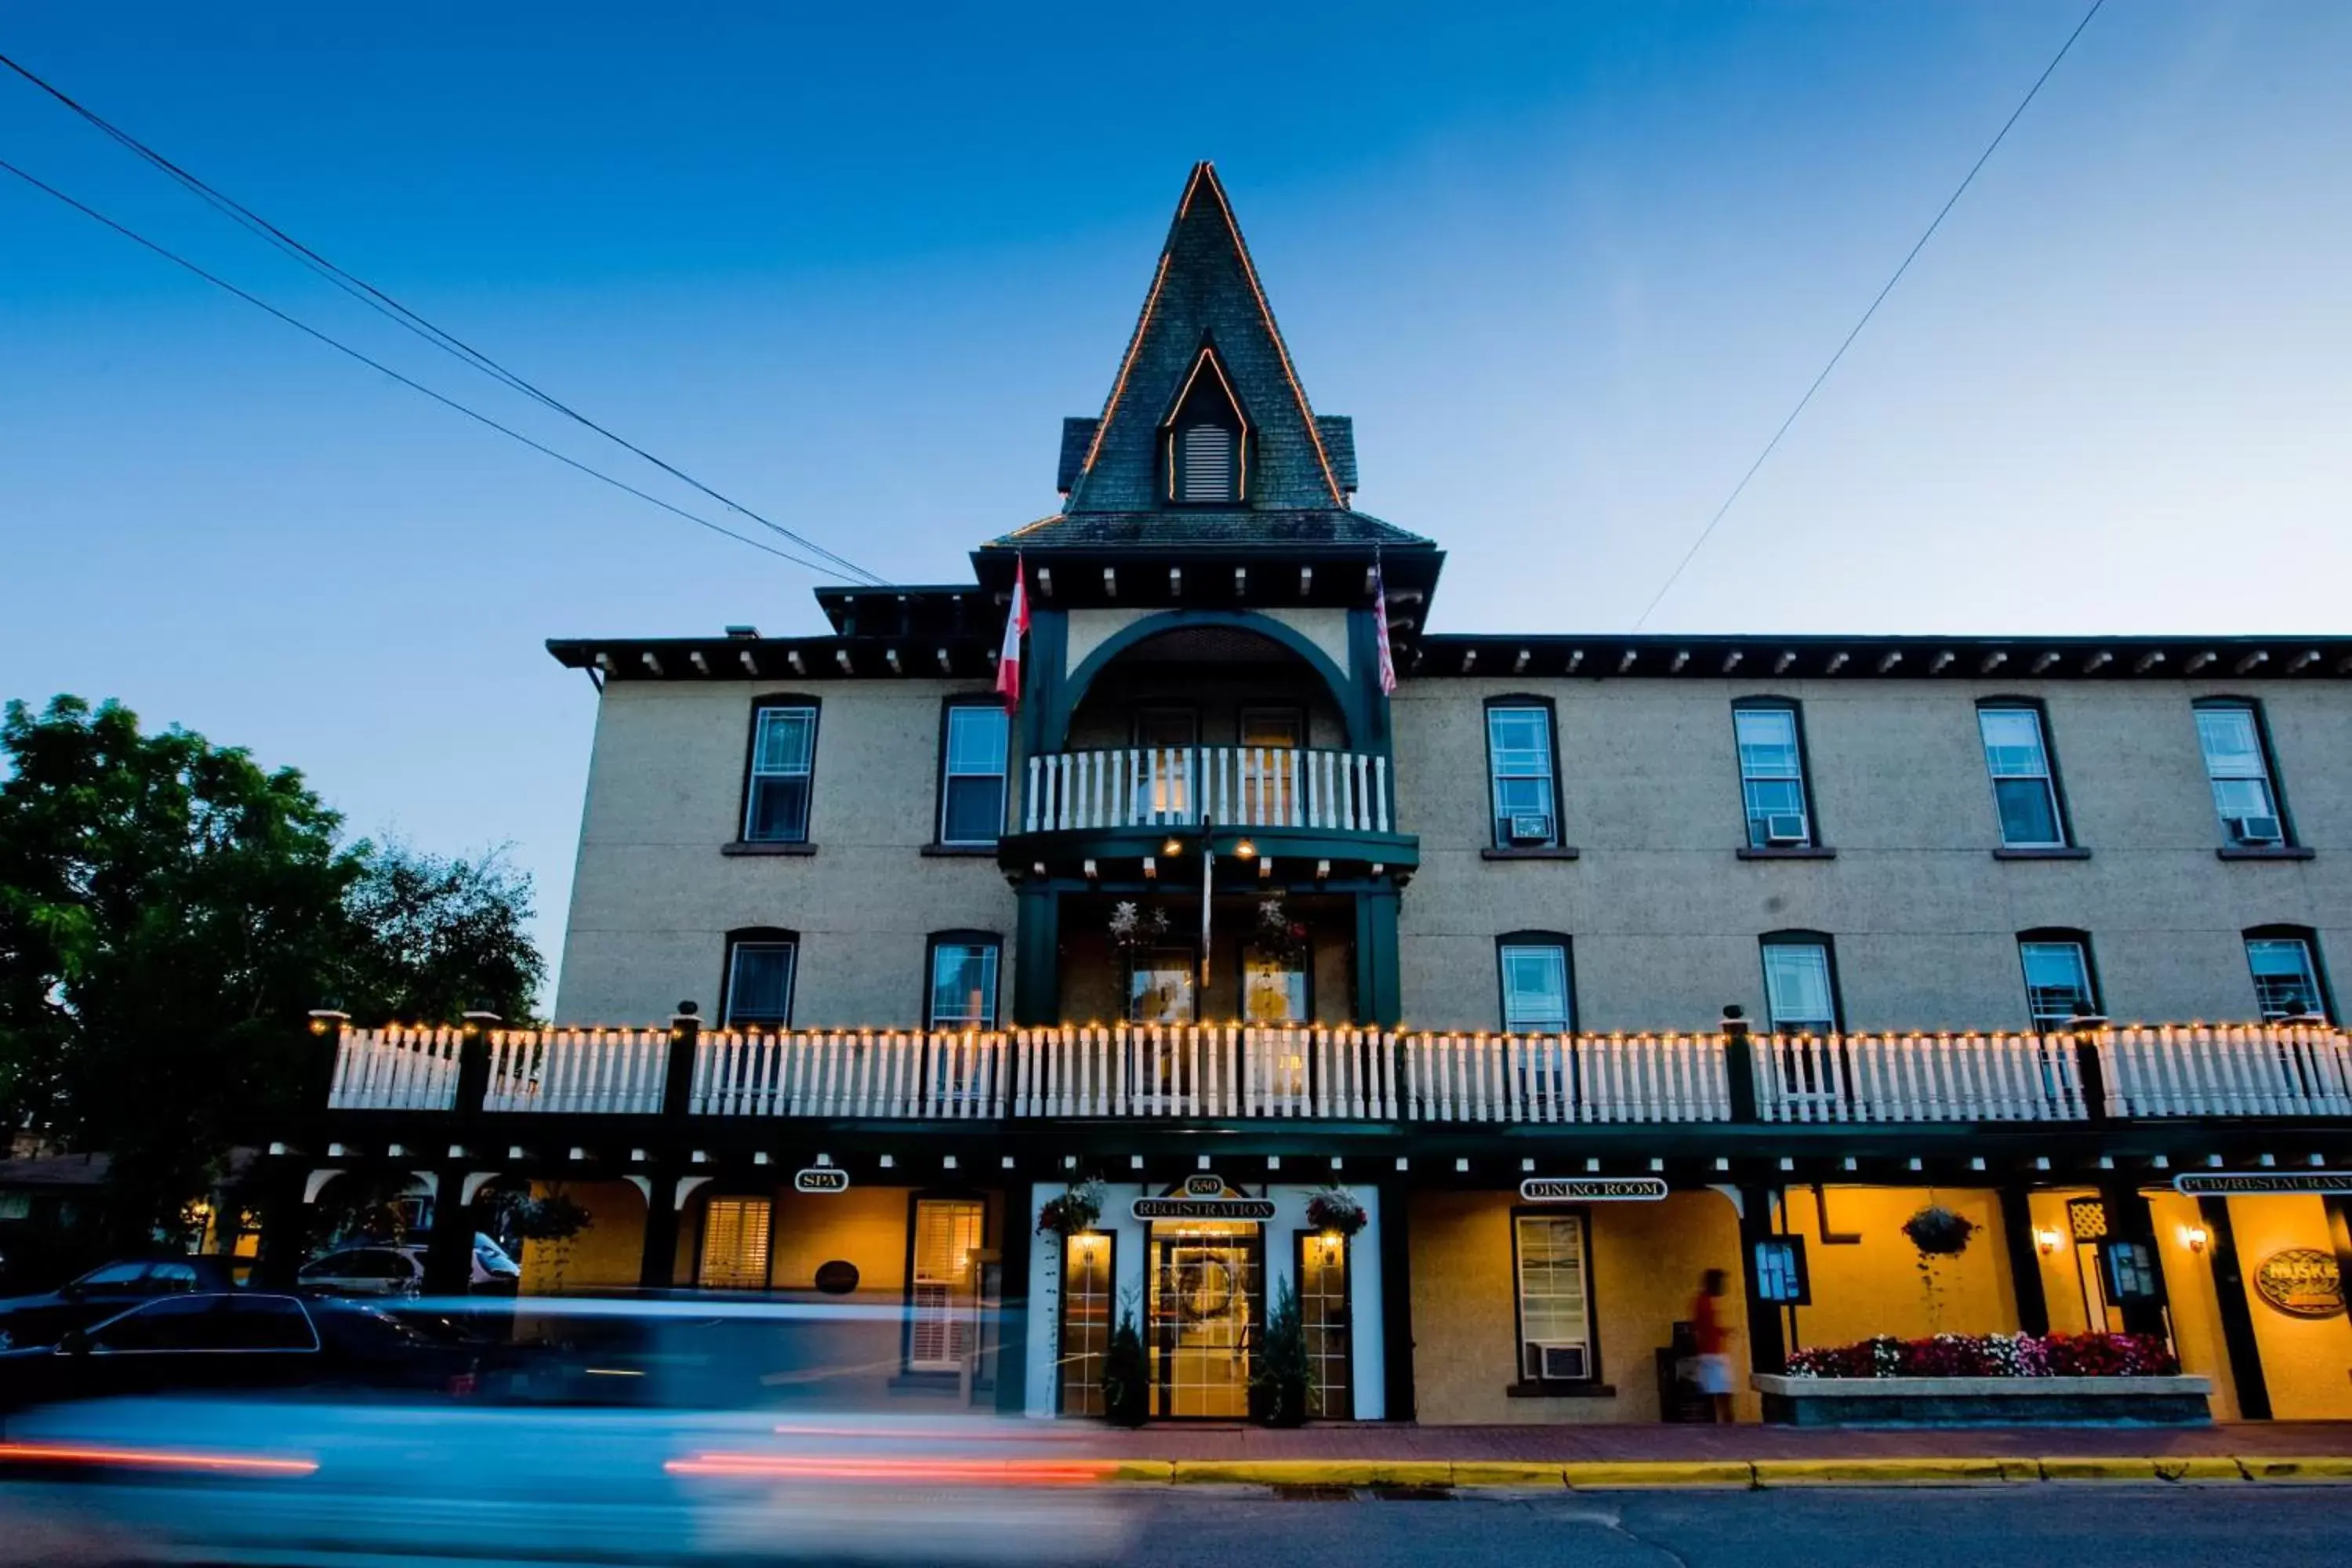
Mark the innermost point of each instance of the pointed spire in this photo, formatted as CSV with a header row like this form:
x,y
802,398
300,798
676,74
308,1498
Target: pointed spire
x,y
1204,295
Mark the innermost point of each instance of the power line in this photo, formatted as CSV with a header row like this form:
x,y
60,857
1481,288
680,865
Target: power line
x,y
378,365
1705,533
385,305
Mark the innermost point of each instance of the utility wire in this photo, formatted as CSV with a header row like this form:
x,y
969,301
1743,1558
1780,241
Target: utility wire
x,y
378,365
385,305
1708,532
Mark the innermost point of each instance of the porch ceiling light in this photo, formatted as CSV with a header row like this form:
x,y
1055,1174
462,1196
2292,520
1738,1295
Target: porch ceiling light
x,y
1245,849
1172,849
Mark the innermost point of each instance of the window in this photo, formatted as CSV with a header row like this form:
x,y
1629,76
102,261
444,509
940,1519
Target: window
x,y
2058,984
971,774
1206,438
1518,760
734,1244
945,1289
1274,985
2237,762
1536,996
1086,1320
269,1323
2285,968
1323,1319
174,1324
1160,986
963,981
1166,736
760,965
776,793
1772,777
1555,1290
1800,985
2024,789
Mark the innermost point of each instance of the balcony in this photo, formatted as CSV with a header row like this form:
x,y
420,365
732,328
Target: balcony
x,y
1160,788
1230,1073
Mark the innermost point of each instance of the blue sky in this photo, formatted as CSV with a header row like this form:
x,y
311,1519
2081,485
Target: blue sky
x,y
1567,265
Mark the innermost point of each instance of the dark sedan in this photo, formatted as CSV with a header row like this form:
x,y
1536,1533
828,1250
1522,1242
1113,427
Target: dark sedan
x,y
222,1341
28,1321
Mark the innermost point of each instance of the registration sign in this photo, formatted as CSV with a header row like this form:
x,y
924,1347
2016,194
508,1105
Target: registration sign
x,y
1259,1209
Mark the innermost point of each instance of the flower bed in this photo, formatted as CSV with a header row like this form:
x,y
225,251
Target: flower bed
x,y
1992,1355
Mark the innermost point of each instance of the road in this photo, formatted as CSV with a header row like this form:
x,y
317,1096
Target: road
x,y
2014,1526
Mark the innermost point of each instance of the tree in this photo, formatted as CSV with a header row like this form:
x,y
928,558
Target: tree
x,y
169,914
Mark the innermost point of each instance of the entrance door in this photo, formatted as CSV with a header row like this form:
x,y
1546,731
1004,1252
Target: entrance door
x,y
1206,1292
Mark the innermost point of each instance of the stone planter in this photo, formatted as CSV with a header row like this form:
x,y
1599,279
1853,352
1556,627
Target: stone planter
x,y
1984,1401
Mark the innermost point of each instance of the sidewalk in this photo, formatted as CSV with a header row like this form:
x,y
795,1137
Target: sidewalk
x,y
1368,1455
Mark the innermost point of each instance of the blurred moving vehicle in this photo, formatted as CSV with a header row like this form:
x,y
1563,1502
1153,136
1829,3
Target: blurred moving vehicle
x,y
38,1321
243,1340
364,1272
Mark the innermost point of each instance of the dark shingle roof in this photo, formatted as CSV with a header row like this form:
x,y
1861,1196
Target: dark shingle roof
x,y
1184,526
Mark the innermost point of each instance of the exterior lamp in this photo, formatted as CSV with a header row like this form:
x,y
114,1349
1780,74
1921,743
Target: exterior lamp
x,y
1245,849
2195,1237
2047,1240
1172,849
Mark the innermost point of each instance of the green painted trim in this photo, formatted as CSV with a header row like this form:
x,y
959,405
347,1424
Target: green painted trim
x,y
1042,683
1037,969
1055,708
1364,658
1379,996
1018,852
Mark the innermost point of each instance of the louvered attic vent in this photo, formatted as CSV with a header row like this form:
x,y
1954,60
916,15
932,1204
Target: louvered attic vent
x,y
1207,468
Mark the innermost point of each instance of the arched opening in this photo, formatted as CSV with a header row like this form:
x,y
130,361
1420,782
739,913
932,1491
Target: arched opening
x,y
1234,675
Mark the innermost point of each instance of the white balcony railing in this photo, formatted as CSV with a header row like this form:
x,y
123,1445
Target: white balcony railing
x,y
1224,1071
1234,786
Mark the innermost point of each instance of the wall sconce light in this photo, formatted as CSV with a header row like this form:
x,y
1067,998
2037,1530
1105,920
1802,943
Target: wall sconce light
x,y
1245,849
2047,1240
2195,1237
1172,849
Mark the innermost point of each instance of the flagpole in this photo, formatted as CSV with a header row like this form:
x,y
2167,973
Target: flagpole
x,y
1208,888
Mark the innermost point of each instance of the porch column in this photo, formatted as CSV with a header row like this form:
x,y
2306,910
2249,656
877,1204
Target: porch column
x,y
2024,1258
1396,1299
657,1263
1768,1345
1379,996
284,1226
1013,1302
1038,970
2237,1316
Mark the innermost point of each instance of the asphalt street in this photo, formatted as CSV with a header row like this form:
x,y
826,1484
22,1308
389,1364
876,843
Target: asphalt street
x,y
2012,1526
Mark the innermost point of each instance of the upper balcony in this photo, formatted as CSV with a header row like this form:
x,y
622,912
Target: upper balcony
x,y
1157,788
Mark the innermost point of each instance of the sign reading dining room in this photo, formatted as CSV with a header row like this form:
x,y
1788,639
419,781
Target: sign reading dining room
x,y
2302,1282
1592,1189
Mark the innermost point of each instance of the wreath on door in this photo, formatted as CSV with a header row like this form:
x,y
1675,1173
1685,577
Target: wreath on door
x,y
1204,1289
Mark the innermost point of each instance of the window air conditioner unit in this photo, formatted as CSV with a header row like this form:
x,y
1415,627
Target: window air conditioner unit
x,y
1564,1364
1784,828
2256,829
1530,827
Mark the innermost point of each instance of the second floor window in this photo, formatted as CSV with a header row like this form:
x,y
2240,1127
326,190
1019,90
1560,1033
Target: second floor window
x,y
1773,778
971,774
776,796
1536,997
2025,791
2058,987
2230,736
1800,988
760,981
2286,975
1519,760
963,983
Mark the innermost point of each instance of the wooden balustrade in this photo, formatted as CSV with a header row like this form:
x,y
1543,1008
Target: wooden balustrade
x,y
1345,1073
1234,786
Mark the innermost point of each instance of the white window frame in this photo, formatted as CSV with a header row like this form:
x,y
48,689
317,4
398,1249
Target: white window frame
x,y
943,1318
951,771
1515,1022
2046,772
805,770
1496,777
2302,947
2026,947
1751,777
735,951
1546,1326
1808,1025
2218,776
746,1228
992,953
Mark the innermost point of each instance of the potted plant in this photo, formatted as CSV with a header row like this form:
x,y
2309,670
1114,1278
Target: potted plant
x,y
1278,1372
1126,1376
1336,1209
1073,1212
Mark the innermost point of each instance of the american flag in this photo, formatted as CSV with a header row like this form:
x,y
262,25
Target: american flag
x,y
1381,630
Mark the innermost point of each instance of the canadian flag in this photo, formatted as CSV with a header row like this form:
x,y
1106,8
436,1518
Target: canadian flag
x,y
1016,627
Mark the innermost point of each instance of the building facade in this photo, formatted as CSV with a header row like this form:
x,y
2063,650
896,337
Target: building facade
x,y
1579,964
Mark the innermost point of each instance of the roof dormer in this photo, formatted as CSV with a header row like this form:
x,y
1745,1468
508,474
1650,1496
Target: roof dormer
x,y
1204,441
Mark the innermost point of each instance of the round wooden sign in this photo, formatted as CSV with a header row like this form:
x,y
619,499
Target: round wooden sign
x,y
2302,1282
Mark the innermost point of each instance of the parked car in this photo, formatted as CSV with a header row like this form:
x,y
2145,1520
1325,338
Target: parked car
x,y
364,1272
29,1322
243,1340
494,1272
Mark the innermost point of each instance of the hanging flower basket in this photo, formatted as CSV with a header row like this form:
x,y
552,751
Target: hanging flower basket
x,y
1278,936
1336,1209
1937,1232
1073,1213
1133,926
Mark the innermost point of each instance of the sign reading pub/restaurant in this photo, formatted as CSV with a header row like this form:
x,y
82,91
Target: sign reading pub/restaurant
x,y
1592,1189
2257,1183
821,1179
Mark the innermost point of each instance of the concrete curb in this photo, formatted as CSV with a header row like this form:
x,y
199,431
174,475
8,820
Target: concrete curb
x,y
1606,1475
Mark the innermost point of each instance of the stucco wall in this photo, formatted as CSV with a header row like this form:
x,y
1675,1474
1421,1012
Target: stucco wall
x,y
606,1255
1875,1285
1646,1261
2306,1362
653,897
1664,916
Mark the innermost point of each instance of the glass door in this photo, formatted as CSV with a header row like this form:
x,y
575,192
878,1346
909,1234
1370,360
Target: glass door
x,y
1165,739
1206,1293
